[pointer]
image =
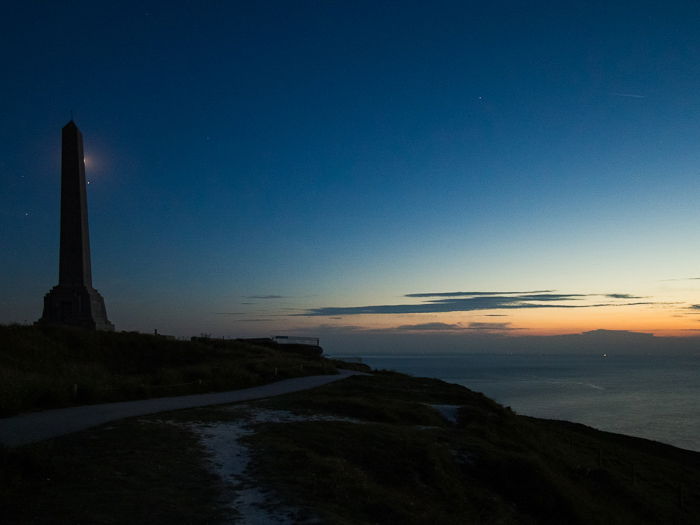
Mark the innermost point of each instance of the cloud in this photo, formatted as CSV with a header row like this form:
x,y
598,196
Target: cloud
x,y
442,302
229,313
693,309
447,327
330,328
265,297
682,279
466,304
491,326
430,326
468,294
601,332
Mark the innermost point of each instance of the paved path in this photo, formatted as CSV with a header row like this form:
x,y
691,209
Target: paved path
x,y
36,426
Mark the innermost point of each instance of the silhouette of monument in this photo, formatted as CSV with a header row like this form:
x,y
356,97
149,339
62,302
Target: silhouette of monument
x,y
74,301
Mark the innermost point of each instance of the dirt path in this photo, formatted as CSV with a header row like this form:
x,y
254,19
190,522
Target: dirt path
x,y
37,426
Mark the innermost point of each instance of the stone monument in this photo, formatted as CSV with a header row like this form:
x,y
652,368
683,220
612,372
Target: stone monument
x,y
74,301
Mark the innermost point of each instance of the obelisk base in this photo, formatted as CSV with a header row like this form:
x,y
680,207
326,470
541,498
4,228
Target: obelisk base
x,y
76,306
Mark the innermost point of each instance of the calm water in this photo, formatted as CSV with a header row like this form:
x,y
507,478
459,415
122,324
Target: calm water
x,y
652,397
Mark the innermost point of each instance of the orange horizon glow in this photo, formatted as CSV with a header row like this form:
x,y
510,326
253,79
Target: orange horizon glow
x,y
663,321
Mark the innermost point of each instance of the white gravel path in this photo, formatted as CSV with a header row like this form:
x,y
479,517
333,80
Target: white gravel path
x,y
229,458
37,426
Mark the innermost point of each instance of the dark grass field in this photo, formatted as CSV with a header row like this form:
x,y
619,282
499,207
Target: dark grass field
x,y
133,471
51,367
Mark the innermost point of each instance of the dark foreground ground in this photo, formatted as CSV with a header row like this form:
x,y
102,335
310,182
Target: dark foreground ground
x,y
382,454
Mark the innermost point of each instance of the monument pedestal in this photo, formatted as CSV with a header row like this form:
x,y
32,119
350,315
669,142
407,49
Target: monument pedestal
x,y
76,306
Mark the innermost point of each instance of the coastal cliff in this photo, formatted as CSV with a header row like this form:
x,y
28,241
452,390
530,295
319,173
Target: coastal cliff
x,y
378,448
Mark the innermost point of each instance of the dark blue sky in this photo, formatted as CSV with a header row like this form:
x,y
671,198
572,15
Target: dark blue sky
x,y
344,154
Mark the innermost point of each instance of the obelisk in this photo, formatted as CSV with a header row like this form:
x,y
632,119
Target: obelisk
x,y
74,301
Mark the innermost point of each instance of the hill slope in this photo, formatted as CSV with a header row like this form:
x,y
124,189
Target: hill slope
x,y
51,367
368,449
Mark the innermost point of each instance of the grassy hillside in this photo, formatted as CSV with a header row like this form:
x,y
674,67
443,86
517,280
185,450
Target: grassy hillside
x,y
385,455
392,459
49,367
402,462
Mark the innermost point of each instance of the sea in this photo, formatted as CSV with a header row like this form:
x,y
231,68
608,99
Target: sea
x,y
653,397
